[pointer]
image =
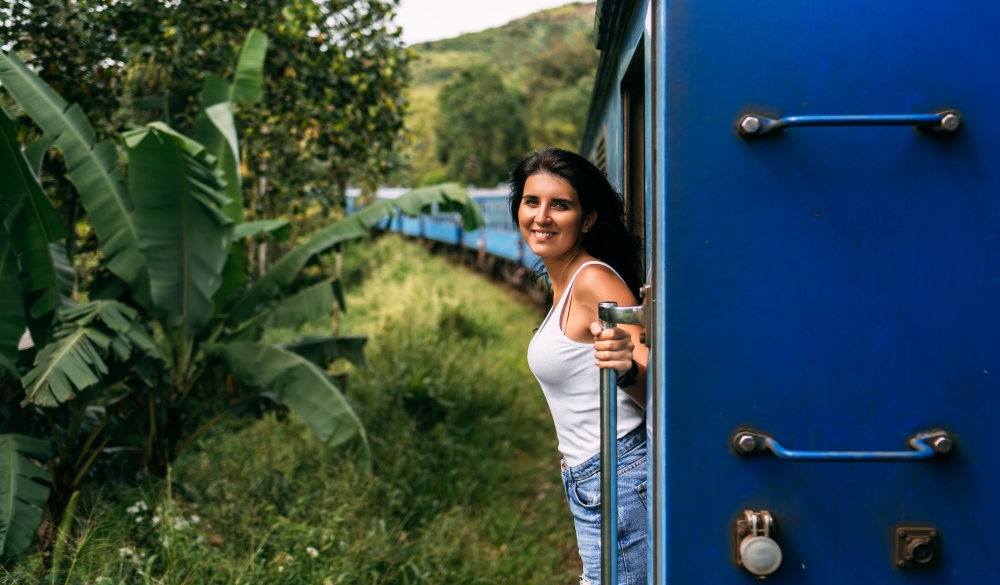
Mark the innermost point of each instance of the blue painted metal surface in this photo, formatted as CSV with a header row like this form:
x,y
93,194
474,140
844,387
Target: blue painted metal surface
x,y
835,287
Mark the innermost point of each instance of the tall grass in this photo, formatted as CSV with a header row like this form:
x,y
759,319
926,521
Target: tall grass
x,y
465,487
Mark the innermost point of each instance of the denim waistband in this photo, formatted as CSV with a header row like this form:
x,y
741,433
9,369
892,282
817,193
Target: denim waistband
x,y
634,438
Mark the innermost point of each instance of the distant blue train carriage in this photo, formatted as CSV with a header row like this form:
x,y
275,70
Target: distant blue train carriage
x,y
497,246
818,188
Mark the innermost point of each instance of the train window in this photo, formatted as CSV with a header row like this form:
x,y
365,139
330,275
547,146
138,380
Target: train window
x,y
634,143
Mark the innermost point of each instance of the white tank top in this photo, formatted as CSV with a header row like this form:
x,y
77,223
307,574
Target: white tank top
x,y
571,383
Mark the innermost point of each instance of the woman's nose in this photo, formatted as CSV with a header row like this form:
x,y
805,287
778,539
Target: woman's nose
x,y
542,216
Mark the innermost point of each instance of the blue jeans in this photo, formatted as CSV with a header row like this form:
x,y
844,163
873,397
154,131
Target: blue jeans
x,y
583,491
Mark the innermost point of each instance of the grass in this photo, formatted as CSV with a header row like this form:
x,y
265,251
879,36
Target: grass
x,y
465,487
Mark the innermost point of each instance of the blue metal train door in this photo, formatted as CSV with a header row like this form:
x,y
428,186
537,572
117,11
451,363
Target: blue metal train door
x,y
828,288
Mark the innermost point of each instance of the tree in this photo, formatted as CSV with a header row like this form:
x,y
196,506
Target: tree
x,y
331,111
559,84
481,130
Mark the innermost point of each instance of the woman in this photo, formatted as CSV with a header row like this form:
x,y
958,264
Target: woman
x,y
572,218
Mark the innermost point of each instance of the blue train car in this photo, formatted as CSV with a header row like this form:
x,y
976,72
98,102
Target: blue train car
x,y
497,240
497,246
817,187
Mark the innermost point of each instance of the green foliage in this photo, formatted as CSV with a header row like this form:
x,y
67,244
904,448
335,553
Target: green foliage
x,y
23,491
560,81
178,198
329,114
474,500
480,132
86,336
90,168
30,223
548,57
95,384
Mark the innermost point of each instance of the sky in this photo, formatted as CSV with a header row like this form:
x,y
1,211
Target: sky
x,y
432,20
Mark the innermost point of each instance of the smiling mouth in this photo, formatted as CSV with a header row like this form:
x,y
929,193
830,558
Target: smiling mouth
x,y
542,235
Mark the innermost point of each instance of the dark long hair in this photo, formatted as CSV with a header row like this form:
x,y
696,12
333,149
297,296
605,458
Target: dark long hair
x,y
608,239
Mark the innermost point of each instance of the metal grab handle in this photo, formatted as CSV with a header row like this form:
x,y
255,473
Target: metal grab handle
x,y
610,315
924,445
753,125
607,314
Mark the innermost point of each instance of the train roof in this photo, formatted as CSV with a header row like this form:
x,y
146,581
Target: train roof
x,y
393,192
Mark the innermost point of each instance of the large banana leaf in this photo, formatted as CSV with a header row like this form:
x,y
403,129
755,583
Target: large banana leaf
x,y
296,382
215,127
279,228
90,166
12,320
75,360
35,153
31,220
248,81
280,276
448,196
71,363
21,495
310,303
323,350
185,236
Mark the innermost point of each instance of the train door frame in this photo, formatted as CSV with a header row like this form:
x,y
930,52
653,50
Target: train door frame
x,y
656,272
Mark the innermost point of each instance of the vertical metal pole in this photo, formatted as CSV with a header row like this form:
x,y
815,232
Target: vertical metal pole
x,y
609,468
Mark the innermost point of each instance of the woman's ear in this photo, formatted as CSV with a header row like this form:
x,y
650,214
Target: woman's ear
x,y
588,222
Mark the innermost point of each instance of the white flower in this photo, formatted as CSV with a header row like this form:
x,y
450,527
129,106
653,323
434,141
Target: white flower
x,y
155,520
281,568
312,552
126,551
195,518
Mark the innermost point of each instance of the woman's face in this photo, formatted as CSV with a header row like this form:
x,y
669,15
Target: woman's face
x,y
550,216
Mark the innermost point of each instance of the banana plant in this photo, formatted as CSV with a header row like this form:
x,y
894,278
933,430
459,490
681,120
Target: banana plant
x,y
179,317
23,491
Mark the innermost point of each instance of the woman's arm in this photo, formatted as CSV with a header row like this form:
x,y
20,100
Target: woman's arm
x,y
614,348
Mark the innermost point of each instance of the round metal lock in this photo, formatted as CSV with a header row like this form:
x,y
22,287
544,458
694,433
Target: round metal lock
x,y
761,555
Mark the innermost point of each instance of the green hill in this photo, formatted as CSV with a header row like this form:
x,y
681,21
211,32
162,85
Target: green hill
x,y
548,57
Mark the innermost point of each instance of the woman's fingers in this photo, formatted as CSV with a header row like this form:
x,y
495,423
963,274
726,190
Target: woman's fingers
x,y
612,347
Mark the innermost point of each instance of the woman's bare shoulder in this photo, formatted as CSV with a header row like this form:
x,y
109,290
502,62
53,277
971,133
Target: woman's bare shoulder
x,y
599,283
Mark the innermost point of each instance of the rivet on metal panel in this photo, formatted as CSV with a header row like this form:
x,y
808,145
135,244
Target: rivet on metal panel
x,y
749,124
950,122
943,445
746,443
